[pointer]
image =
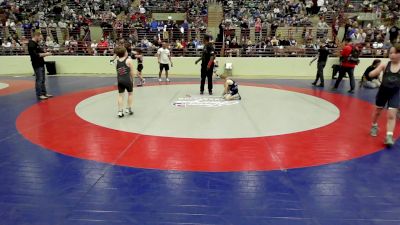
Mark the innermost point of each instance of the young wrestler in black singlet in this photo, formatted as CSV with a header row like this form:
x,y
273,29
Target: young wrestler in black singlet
x,y
125,77
139,56
388,94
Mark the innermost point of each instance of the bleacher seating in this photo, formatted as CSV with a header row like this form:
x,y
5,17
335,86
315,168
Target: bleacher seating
x,y
291,31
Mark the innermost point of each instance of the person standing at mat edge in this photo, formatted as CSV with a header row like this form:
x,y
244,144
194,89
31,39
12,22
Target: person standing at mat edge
x,y
164,58
37,58
207,64
388,94
138,54
349,58
125,75
322,57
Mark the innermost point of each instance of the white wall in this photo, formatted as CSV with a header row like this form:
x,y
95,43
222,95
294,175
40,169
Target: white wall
x,y
183,66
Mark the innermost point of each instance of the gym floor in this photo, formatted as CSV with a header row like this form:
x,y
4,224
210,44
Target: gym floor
x,y
286,154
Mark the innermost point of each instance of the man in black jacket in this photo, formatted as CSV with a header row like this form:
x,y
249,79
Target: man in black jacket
x,y
37,58
207,64
323,53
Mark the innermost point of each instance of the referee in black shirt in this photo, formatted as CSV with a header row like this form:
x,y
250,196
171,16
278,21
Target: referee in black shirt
x,y
207,64
322,57
37,58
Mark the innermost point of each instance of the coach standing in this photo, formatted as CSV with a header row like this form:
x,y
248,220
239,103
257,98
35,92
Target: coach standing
x,y
349,58
323,53
37,58
207,64
164,58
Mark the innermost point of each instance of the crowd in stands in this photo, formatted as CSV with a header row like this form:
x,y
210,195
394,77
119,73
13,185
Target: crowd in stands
x,y
283,13
65,25
192,7
267,16
245,13
72,18
370,37
384,9
373,41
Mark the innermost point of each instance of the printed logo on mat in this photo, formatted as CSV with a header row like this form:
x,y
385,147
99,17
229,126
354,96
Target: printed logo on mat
x,y
200,101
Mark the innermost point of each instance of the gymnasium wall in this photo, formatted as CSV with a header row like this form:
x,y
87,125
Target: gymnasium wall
x,y
183,66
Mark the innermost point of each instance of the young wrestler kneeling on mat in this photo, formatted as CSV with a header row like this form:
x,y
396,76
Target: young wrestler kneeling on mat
x,y
388,94
125,75
231,88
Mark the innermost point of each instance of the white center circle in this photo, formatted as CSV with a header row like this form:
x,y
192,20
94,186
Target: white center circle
x,y
261,112
4,86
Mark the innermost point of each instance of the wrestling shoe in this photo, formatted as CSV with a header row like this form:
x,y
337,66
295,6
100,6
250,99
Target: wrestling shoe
x,y
374,130
389,140
42,97
129,111
120,114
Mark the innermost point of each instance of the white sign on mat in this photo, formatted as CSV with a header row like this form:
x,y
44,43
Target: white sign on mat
x,y
203,101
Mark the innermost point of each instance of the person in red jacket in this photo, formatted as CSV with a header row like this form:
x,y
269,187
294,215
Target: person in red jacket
x,y
102,46
349,60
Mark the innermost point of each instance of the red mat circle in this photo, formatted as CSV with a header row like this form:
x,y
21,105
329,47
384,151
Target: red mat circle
x,y
54,125
16,86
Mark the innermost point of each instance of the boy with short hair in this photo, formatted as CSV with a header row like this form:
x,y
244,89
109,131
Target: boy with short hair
x,y
125,75
231,88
